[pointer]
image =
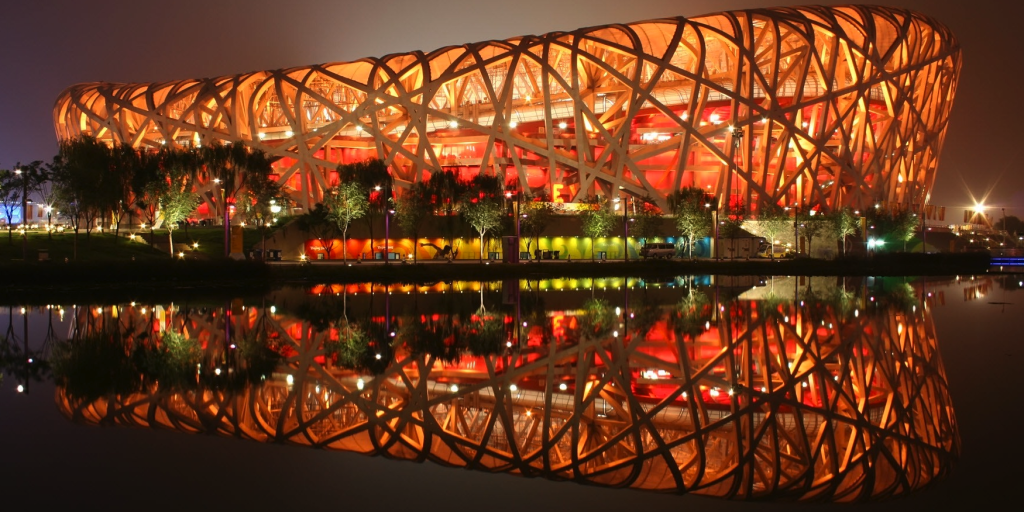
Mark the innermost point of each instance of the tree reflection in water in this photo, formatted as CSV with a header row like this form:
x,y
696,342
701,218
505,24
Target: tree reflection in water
x,y
836,393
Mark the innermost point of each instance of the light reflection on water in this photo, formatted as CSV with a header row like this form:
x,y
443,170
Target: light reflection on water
x,y
741,388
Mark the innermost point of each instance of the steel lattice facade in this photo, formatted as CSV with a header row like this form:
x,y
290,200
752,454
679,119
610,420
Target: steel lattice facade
x,y
812,106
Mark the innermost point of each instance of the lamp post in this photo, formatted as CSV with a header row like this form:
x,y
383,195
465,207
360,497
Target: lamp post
x,y
24,213
387,233
712,204
625,224
796,230
227,219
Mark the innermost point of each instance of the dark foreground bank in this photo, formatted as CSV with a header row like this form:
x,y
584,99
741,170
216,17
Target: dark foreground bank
x,y
241,276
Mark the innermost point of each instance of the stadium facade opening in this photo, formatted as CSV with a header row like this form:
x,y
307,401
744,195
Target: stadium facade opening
x,y
814,107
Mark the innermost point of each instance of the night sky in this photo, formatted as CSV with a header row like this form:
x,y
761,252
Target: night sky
x,y
46,46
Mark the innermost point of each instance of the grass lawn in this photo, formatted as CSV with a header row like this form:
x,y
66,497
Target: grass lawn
x,y
106,247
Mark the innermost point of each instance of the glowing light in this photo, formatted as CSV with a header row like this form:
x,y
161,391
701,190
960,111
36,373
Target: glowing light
x,y
513,388
453,124
454,388
513,124
562,125
563,387
360,384
290,380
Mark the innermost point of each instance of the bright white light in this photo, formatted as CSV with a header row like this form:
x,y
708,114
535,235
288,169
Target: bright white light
x,y
454,388
360,384
21,389
714,119
714,392
273,310
453,124
563,125
513,388
563,387
513,124
290,380
216,371
288,133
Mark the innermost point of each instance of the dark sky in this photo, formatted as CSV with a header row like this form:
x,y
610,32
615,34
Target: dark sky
x,y
46,46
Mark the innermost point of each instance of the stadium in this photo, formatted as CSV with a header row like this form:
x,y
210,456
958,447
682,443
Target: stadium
x,y
807,107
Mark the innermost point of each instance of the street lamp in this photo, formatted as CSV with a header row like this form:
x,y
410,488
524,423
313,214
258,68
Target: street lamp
x,y
625,223
387,233
227,218
24,213
713,205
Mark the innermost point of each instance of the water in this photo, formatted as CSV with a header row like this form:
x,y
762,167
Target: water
x,y
776,389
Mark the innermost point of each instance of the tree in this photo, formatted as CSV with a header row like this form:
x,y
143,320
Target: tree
x,y
534,217
645,220
82,179
598,221
48,192
410,209
481,205
812,226
732,220
1010,224
692,207
317,222
772,220
234,168
178,201
148,184
893,226
125,162
345,203
483,215
10,199
262,201
842,224
376,183
445,189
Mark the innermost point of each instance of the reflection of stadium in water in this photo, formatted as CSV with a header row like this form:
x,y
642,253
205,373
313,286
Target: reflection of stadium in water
x,y
833,396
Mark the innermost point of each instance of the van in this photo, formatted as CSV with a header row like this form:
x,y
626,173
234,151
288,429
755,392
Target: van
x,y
767,250
658,250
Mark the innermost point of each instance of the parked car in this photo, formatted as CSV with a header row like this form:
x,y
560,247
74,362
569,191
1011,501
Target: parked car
x,y
658,250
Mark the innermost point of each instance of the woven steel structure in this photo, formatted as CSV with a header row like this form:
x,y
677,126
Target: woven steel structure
x,y
745,399
811,107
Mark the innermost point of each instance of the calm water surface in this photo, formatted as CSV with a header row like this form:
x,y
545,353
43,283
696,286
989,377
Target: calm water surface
x,y
884,392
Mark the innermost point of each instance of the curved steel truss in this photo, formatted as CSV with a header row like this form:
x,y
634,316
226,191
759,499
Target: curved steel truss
x,y
811,106
742,399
